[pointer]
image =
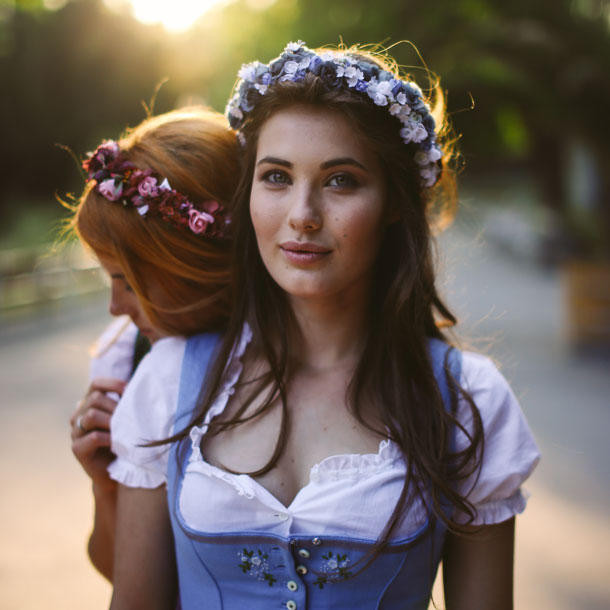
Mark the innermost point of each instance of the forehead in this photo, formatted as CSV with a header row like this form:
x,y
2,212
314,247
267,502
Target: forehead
x,y
304,131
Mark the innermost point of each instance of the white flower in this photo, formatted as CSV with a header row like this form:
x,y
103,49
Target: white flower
x,y
379,92
399,111
262,89
142,209
401,98
385,87
353,75
293,47
164,186
236,112
413,131
304,63
247,72
327,56
256,561
332,564
290,67
435,154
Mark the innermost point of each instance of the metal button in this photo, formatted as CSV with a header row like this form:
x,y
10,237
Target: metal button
x,y
316,542
291,605
302,570
292,585
304,553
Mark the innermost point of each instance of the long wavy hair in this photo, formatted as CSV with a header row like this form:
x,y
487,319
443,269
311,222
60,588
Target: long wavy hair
x,y
394,373
190,291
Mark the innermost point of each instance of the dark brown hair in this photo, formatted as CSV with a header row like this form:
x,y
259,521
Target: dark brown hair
x,y
394,373
198,153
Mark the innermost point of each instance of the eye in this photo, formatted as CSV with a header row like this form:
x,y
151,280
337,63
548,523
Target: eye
x,y
119,281
342,181
276,177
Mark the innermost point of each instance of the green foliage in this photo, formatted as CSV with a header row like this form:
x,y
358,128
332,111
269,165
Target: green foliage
x,y
535,69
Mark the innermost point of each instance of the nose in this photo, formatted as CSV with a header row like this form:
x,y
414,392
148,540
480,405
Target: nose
x,y
119,302
305,212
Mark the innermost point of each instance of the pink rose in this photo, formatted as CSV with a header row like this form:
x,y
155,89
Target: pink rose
x,y
148,187
198,221
109,189
210,206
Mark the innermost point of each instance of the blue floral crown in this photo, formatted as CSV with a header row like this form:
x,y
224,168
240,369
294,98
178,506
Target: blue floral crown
x,y
404,100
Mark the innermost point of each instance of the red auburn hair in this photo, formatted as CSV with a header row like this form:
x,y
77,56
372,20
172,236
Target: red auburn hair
x,y
181,279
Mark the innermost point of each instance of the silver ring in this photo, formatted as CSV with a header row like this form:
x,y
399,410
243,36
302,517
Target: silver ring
x,y
79,423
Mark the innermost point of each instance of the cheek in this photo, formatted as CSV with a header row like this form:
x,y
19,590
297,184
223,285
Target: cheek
x,y
265,219
361,231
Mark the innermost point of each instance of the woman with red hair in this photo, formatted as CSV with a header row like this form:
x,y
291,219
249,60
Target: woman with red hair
x,y
154,213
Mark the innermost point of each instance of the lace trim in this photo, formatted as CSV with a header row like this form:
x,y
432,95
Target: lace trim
x,y
132,475
232,373
337,467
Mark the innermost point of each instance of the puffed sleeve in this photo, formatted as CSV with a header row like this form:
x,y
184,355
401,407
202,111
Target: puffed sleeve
x,y
112,353
510,453
146,413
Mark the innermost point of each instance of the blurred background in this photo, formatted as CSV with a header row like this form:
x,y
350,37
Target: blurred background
x,y
526,265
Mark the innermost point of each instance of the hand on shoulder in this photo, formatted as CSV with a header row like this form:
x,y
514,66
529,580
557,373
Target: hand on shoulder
x,y
90,429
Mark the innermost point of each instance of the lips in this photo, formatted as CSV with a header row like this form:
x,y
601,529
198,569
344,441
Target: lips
x,y
304,253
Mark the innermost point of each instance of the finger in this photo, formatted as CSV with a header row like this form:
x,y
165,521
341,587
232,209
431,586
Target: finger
x,y
85,446
99,400
94,419
78,429
107,384
93,453
77,411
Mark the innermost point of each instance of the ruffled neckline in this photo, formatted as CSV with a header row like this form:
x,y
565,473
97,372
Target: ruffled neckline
x,y
331,468
355,464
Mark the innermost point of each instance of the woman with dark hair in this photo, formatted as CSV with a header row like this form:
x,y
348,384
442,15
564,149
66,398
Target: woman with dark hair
x,y
340,446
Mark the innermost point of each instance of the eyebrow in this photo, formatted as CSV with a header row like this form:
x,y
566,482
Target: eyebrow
x,y
325,165
342,161
117,276
275,161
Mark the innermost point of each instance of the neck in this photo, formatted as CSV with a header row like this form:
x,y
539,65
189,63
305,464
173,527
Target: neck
x,y
330,331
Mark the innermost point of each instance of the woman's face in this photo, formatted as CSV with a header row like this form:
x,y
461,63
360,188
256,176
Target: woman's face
x,y
317,204
124,301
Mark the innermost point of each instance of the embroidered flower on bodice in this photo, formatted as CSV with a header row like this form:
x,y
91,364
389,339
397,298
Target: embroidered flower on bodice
x,y
334,569
256,564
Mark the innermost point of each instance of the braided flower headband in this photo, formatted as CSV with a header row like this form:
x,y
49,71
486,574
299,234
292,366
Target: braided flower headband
x,y
121,181
403,99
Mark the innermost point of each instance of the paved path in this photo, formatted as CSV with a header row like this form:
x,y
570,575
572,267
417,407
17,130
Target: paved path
x,y
563,539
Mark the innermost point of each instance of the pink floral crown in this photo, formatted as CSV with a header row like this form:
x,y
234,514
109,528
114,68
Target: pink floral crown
x,y
121,181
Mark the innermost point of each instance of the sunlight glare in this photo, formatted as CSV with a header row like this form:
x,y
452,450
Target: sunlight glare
x,y
176,15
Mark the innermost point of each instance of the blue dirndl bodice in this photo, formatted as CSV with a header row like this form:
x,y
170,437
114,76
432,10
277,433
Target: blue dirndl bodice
x,y
255,571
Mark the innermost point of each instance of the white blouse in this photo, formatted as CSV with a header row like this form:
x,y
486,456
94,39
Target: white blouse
x,y
347,495
112,353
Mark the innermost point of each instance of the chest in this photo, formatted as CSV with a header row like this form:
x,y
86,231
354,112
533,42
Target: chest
x,y
315,423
